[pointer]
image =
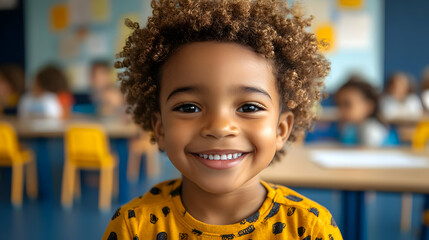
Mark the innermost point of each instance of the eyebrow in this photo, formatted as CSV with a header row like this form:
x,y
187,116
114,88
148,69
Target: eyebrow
x,y
246,89
181,90
255,90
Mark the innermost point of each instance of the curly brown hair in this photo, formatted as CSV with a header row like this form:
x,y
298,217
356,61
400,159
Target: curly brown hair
x,y
270,28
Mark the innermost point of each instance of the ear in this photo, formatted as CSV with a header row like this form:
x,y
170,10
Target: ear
x,y
158,129
284,129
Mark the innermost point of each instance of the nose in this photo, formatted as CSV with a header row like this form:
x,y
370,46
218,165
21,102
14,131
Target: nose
x,y
219,125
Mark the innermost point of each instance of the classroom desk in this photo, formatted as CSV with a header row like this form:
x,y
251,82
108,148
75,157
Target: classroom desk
x,y
35,128
45,138
297,170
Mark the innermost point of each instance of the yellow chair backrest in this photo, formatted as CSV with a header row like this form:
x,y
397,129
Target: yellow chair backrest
x,y
86,145
9,147
421,135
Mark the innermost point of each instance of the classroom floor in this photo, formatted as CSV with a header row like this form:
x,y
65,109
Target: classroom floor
x,y
47,220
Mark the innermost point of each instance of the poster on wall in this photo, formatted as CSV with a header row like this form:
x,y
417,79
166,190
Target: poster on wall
x,y
350,4
319,9
80,14
326,35
354,31
96,45
100,10
59,17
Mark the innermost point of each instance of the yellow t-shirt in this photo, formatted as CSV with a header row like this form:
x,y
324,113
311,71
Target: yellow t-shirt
x,y
160,215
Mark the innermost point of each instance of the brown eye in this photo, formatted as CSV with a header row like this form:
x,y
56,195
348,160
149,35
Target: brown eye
x,y
249,108
187,108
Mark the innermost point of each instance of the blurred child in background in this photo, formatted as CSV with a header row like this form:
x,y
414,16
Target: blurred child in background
x,y
104,94
358,109
12,80
42,100
425,88
56,82
400,99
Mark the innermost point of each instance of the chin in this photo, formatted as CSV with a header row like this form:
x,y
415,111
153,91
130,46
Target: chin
x,y
221,186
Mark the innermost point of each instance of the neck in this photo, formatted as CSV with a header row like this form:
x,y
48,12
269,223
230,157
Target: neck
x,y
223,208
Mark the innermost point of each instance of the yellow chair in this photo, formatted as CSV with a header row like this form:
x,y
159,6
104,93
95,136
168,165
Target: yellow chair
x,y
86,147
12,155
421,136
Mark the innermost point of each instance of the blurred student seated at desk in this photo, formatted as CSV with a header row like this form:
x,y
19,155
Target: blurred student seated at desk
x,y
425,88
49,96
360,123
105,96
12,79
399,99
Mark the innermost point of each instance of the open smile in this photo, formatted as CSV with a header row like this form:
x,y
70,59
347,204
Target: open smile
x,y
220,159
229,156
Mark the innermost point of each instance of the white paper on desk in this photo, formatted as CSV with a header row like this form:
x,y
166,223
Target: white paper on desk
x,y
367,159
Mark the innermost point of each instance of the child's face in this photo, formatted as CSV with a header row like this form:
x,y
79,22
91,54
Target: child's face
x,y
399,88
353,106
220,100
100,77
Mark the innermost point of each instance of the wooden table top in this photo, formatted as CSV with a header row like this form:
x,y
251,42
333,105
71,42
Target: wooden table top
x,y
30,128
297,170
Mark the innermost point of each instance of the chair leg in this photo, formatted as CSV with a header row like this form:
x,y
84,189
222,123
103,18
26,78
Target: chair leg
x,y
152,162
115,190
77,187
31,179
106,182
133,166
68,184
17,183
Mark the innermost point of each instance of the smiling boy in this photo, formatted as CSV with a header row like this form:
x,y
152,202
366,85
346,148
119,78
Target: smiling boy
x,y
222,85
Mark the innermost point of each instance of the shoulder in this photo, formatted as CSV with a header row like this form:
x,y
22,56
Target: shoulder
x,y
413,99
128,220
305,209
156,196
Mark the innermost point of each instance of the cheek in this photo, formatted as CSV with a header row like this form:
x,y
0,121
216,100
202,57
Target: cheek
x,y
178,133
262,135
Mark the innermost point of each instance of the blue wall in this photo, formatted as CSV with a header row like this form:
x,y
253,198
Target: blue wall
x,y
406,36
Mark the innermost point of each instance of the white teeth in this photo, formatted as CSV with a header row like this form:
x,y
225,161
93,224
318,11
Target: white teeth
x,y
229,156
